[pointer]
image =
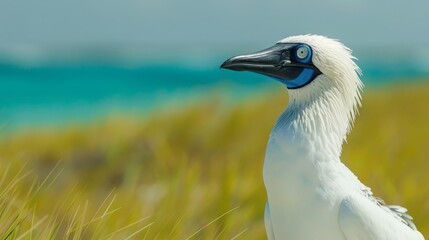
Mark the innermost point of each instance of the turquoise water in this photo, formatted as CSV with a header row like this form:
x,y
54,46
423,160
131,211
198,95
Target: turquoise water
x,y
52,95
55,94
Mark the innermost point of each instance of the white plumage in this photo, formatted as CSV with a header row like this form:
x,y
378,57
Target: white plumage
x,y
311,193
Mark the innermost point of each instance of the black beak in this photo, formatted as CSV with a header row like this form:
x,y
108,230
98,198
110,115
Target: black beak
x,y
277,61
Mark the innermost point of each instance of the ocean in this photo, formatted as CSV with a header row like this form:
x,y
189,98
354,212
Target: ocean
x,y
57,94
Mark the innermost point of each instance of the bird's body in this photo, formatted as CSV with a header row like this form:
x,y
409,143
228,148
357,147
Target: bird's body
x,y
311,193
308,186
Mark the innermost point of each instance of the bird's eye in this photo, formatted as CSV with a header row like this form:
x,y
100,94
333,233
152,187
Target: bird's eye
x,y
302,52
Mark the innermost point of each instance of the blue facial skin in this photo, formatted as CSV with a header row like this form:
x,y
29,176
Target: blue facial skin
x,y
306,76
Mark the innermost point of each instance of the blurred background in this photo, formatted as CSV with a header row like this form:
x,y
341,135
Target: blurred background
x,y
116,121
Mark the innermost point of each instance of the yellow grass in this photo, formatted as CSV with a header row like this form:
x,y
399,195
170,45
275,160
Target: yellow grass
x,y
194,173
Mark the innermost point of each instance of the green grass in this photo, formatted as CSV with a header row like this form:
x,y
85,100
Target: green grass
x,y
194,173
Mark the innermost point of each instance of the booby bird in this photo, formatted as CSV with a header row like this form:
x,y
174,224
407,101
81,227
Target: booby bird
x,y
311,193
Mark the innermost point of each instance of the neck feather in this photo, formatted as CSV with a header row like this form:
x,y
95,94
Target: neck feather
x,y
324,118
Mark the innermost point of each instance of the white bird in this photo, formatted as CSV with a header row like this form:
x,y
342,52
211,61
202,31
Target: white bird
x,y
311,193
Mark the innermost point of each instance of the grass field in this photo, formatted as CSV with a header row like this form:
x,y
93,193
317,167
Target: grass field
x,y
194,173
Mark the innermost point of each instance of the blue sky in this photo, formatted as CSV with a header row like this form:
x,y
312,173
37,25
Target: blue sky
x,y
170,24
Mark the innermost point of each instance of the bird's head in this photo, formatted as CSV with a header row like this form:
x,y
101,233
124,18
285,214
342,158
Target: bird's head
x,y
311,66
